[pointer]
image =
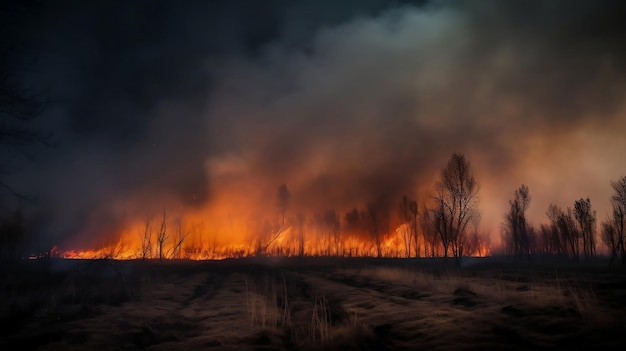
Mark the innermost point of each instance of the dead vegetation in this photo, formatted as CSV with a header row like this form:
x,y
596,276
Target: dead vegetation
x,y
309,304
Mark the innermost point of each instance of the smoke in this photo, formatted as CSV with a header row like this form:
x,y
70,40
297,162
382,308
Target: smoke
x,y
200,107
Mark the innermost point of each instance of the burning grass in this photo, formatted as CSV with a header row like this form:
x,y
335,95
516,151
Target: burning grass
x,y
309,303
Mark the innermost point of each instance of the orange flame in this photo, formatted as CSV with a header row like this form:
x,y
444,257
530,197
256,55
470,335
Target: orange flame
x,y
283,242
240,221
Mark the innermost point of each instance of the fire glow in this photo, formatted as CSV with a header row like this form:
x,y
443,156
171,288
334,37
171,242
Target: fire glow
x,y
285,245
173,237
249,216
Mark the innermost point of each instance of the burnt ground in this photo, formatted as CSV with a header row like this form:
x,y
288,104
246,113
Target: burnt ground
x,y
311,303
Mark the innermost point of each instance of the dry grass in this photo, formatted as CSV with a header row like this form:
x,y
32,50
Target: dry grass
x,y
310,320
299,305
565,291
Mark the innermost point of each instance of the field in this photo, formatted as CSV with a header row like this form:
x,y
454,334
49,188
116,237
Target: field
x,y
310,304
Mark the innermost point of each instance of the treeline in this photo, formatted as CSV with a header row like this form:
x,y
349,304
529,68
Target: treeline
x,y
570,232
448,226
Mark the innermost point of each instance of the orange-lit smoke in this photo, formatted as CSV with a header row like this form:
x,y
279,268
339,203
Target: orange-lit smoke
x,y
244,220
368,112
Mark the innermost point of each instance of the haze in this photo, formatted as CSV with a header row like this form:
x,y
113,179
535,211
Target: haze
x,y
205,108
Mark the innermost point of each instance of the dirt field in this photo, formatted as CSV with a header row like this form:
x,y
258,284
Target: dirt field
x,y
310,304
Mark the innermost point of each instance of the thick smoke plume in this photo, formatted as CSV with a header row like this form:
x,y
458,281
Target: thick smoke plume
x,y
206,108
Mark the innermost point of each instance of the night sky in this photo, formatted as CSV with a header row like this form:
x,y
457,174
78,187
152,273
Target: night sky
x,y
206,107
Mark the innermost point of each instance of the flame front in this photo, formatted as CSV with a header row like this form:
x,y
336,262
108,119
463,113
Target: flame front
x,y
242,218
196,242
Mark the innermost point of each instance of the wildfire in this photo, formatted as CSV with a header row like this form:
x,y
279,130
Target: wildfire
x,y
284,242
248,218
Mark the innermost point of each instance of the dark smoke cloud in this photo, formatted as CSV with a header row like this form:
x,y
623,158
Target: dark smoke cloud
x,y
346,102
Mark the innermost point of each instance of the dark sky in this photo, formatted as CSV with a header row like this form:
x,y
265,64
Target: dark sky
x,y
205,107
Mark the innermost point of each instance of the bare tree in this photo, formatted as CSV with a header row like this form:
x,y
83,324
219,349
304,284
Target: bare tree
x,y
618,201
266,234
378,221
162,236
414,213
565,225
557,239
408,216
456,198
145,234
282,201
428,224
610,237
441,220
515,226
586,219
181,235
570,232
550,242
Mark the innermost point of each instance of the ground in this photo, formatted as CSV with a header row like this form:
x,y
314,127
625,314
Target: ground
x,y
311,303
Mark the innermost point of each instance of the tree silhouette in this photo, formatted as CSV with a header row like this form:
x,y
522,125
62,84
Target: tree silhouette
x,y
408,215
618,222
586,219
378,221
162,236
456,198
516,227
414,213
145,234
565,225
550,242
282,201
428,224
180,236
442,220
610,236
